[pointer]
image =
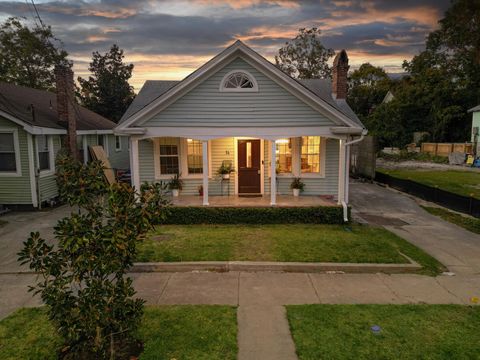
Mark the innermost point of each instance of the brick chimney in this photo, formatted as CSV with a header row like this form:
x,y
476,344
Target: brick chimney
x,y
65,106
340,71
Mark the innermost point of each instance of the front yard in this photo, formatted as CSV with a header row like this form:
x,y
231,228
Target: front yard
x,y
466,183
405,331
289,243
167,332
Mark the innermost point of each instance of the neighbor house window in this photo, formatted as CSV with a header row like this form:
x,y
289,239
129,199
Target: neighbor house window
x,y
43,151
8,158
310,154
118,143
238,80
168,156
284,155
194,156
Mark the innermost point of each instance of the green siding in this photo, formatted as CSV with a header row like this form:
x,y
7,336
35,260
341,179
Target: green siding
x,y
146,162
206,106
16,189
118,159
47,185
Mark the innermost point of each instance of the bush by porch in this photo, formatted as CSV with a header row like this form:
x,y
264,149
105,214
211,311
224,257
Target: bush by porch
x,y
287,243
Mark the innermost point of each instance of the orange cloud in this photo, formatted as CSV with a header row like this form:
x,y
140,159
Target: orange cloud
x,y
240,4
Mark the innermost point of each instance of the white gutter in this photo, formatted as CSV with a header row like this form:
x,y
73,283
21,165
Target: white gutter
x,y
347,171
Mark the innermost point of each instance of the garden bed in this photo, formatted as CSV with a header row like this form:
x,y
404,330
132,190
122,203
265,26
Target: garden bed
x,y
405,331
167,332
305,243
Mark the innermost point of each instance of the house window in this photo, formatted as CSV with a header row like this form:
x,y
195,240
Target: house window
x,y
284,155
311,154
43,151
238,81
8,158
169,156
194,156
118,143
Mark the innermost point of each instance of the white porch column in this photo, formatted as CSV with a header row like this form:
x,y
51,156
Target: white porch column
x,y
341,172
134,163
205,171
273,173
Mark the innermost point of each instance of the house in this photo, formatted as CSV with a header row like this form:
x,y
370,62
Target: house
x,y
32,130
475,128
240,109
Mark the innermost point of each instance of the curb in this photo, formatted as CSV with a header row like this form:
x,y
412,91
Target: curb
x,y
258,266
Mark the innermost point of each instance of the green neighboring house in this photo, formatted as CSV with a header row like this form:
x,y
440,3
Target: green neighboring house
x,y
476,126
30,137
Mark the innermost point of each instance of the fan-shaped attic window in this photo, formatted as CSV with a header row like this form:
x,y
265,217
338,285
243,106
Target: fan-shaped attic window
x,y
238,81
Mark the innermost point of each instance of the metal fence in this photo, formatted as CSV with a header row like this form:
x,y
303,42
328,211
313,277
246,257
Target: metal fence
x,y
467,205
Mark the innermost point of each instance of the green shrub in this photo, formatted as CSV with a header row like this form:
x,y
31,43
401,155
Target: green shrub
x,y
177,215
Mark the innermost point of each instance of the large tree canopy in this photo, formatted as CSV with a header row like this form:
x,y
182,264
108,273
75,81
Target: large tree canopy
x,y
367,86
107,92
443,83
28,55
305,57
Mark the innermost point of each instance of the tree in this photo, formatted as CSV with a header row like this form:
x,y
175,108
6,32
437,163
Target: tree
x,y
305,57
367,87
108,92
83,278
28,56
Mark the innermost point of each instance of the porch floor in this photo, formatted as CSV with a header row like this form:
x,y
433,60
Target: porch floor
x,y
260,201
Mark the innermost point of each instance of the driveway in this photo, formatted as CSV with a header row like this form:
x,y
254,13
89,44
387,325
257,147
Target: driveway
x,y
455,247
18,229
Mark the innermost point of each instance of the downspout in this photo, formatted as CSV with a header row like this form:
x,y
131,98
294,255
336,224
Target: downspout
x,y
347,171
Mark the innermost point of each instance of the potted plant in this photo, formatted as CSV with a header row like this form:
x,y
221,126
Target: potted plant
x,y
225,170
200,190
175,184
297,186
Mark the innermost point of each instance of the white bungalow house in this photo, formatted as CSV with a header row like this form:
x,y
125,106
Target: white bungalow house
x,y
240,109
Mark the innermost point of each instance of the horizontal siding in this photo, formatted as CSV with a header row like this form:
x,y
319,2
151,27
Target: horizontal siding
x,y
205,105
16,189
223,149
118,159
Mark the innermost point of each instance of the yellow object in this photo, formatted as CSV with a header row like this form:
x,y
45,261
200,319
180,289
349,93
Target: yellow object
x,y
474,300
470,160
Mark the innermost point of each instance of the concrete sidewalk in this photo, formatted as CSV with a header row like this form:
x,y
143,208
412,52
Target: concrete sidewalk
x,y
263,327
455,247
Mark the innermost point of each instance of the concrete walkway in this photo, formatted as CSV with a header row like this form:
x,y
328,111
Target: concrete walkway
x,y
452,245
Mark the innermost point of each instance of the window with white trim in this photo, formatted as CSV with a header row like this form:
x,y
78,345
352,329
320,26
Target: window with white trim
x,y
283,155
101,141
118,143
8,157
310,157
169,163
43,152
194,156
238,80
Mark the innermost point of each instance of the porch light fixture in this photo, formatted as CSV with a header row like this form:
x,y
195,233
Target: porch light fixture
x,y
189,140
282,141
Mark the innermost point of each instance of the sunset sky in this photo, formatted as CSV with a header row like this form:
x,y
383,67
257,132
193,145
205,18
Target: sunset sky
x,y
169,39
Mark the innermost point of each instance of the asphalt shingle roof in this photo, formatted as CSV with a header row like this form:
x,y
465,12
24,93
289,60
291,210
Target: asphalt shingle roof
x,y
17,101
476,108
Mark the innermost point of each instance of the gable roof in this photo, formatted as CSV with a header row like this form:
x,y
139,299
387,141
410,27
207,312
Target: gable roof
x,y
474,109
159,94
17,102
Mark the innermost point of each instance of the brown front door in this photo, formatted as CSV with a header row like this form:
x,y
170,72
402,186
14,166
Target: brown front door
x,y
249,167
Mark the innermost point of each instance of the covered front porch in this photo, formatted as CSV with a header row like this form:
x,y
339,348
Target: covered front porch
x,y
255,201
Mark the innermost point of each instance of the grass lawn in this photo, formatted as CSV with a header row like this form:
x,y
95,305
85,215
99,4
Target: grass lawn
x,y
290,243
467,222
466,183
407,331
168,332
